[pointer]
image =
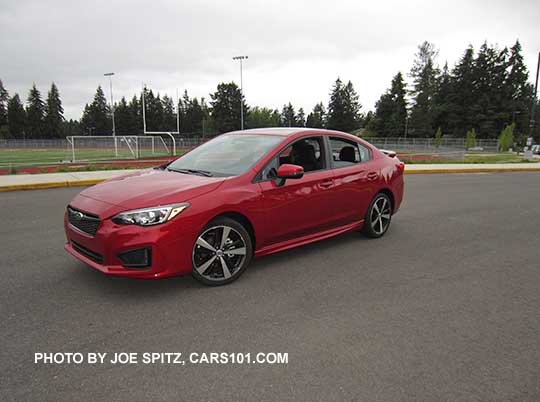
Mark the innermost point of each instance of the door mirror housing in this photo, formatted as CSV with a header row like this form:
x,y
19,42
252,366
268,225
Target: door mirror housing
x,y
288,171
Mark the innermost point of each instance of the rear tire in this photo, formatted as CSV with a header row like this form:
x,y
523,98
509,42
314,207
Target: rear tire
x,y
221,253
378,216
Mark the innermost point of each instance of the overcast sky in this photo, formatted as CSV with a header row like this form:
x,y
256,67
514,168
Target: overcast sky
x,y
296,49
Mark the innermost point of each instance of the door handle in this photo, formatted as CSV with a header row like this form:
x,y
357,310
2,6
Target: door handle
x,y
372,176
327,183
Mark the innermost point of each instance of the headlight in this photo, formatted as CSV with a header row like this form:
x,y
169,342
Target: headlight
x,y
150,216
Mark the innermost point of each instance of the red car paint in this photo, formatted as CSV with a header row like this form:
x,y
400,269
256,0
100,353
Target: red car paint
x,y
321,204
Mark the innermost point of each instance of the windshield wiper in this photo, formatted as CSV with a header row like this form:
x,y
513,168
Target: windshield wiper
x,y
192,171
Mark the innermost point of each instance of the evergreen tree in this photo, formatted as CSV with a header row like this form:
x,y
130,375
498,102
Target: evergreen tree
x,y
122,116
288,116
301,118
35,113
71,127
441,101
391,111
462,97
489,108
343,108
169,114
54,114
316,119
135,117
424,73
96,116
519,90
16,117
226,103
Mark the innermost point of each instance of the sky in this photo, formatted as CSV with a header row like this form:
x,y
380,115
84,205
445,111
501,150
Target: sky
x,y
296,49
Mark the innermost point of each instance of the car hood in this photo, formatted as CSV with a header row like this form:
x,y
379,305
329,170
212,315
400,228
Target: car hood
x,y
148,188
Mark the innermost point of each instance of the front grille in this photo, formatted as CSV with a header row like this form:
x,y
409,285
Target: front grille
x,y
87,252
83,221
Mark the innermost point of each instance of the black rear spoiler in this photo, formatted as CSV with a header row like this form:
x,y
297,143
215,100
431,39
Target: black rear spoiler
x,y
391,154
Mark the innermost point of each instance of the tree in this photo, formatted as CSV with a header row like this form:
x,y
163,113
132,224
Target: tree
x,y
470,140
301,118
226,103
259,117
441,101
316,119
169,114
193,115
288,116
4,98
16,117
35,113
461,97
519,90
343,108
122,117
489,109
506,138
438,137
391,111
424,73
96,116
54,114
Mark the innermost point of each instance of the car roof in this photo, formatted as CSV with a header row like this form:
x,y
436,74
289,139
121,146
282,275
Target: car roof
x,y
285,131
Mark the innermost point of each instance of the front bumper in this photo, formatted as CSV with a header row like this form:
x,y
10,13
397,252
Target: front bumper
x,y
169,245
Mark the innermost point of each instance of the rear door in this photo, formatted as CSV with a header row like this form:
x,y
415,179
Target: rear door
x,y
301,206
355,177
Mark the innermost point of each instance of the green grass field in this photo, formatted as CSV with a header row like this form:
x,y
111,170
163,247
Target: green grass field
x,y
58,155
505,157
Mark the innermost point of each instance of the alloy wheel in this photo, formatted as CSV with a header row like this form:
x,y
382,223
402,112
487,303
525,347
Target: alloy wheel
x,y
219,253
380,215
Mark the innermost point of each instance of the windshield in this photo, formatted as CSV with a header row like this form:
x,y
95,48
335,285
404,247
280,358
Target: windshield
x,y
226,155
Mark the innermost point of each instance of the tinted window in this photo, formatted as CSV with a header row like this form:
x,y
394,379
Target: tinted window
x,y
347,153
228,155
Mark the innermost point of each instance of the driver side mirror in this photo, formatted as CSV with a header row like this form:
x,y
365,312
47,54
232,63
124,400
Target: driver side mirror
x,y
288,171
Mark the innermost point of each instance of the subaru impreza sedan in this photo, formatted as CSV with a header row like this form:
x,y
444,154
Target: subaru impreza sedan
x,y
240,195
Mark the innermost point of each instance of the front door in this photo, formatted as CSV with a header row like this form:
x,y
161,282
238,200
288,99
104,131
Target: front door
x,y
300,206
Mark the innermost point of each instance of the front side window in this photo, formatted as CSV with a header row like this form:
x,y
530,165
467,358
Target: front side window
x,y
347,153
306,152
227,155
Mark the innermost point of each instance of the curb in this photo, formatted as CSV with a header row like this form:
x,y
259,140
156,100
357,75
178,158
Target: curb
x,y
90,182
472,170
52,184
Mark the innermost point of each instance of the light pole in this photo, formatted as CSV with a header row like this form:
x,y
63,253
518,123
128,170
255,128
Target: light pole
x,y
241,58
112,102
533,104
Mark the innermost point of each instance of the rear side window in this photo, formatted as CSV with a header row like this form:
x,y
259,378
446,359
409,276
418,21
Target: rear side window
x,y
347,153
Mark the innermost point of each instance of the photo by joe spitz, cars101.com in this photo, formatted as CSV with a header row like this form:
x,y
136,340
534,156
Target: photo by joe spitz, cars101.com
x,y
242,194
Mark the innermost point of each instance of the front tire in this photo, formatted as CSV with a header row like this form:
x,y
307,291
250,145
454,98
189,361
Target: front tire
x,y
222,252
378,216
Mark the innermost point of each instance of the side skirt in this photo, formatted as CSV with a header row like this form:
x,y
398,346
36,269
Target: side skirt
x,y
311,238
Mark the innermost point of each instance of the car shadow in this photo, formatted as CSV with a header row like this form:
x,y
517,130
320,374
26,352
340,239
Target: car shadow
x,y
124,287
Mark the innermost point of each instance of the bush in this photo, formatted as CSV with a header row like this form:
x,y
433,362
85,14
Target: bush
x,y
506,138
470,141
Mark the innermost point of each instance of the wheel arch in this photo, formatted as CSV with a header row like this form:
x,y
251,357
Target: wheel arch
x,y
243,220
390,195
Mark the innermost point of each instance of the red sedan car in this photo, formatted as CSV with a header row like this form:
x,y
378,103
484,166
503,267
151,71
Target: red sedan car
x,y
240,195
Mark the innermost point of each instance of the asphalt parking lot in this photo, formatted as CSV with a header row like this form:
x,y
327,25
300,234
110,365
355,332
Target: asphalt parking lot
x,y
446,307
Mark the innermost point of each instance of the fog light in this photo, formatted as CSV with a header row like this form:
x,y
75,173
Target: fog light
x,y
138,258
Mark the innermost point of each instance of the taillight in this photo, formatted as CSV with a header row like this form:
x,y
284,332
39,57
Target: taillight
x,y
401,166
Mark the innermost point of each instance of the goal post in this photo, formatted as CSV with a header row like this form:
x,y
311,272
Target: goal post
x,y
107,148
170,134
